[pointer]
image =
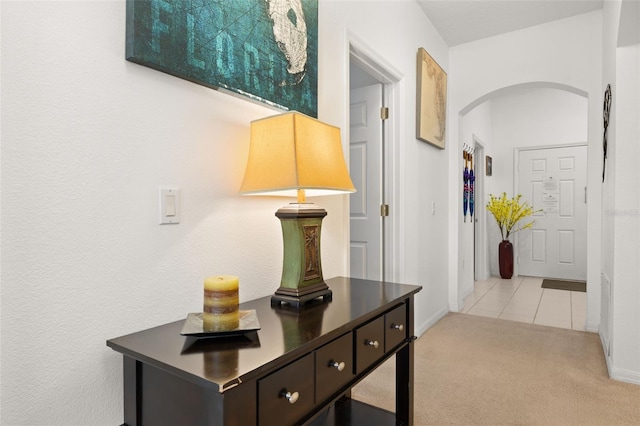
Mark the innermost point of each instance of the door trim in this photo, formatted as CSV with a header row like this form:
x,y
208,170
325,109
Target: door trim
x,y
481,243
391,79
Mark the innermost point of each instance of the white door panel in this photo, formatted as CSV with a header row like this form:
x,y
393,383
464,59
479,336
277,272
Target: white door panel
x,y
554,180
358,171
358,259
365,163
538,245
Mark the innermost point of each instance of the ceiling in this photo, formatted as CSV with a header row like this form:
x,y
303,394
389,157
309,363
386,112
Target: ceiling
x,y
462,21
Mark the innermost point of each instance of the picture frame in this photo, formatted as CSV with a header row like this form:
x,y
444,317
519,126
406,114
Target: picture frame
x,y
431,100
488,166
251,49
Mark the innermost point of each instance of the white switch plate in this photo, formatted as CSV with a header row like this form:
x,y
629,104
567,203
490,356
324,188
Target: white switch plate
x,y
169,206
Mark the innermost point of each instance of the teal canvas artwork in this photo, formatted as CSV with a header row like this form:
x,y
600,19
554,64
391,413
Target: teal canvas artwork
x,y
266,50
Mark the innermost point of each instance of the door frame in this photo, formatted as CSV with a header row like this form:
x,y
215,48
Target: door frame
x,y
516,189
481,268
373,64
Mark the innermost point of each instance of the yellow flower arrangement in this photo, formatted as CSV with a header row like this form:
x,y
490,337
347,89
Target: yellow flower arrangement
x,y
508,212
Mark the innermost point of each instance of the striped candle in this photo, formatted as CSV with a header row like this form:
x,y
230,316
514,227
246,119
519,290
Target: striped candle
x,y
220,311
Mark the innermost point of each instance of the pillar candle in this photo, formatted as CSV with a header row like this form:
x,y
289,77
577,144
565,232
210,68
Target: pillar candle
x,y
220,311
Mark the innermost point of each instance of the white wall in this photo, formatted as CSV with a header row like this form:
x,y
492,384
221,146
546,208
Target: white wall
x,y
87,139
419,169
475,125
564,54
620,198
626,292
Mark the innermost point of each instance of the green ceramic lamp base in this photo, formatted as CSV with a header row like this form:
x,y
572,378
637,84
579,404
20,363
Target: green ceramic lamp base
x,y
302,279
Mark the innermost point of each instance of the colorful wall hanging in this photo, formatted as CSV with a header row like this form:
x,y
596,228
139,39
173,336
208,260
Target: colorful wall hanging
x,y
468,179
265,50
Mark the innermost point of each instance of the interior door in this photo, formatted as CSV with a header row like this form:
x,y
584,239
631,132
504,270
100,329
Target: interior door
x,y
365,161
554,180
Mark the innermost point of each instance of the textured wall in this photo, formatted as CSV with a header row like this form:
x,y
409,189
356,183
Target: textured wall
x,y
87,139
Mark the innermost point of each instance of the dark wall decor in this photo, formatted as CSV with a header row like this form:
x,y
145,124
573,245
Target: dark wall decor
x,y
606,110
266,50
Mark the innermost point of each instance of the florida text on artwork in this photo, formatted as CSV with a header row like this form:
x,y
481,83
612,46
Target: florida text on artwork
x,y
263,49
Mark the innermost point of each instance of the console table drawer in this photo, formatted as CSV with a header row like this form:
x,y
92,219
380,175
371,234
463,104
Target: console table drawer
x,y
369,344
395,327
334,366
287,395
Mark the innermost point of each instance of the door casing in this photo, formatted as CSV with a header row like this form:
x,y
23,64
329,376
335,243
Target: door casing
x,y
373,64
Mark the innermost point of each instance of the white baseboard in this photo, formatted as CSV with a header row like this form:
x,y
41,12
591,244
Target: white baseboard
x,y
430,322
624,375
467,292
619,374
460,305
607,358
593,328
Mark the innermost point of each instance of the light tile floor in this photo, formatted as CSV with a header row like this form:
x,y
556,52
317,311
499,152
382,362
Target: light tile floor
x,y
523,299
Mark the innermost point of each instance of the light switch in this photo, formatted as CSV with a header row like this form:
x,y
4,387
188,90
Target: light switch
x,y
169,206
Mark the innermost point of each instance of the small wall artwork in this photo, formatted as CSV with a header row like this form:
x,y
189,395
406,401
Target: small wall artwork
x,y
431,105
488,167
264,50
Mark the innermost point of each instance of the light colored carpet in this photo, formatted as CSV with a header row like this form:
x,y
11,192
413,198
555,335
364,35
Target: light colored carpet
x,y
472,370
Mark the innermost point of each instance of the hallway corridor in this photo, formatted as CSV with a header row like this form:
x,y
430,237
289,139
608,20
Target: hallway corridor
x,y
523,299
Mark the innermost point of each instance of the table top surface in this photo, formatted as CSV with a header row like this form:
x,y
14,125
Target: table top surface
x,y
286,332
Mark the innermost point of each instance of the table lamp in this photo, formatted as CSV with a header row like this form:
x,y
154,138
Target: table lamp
x,y
295,155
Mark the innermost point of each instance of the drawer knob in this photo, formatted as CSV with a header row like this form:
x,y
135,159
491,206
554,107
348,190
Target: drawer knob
x,y
397,327
373,343
292,397
337,365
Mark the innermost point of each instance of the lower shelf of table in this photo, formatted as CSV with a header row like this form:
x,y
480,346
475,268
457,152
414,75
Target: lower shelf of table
x,y
349,412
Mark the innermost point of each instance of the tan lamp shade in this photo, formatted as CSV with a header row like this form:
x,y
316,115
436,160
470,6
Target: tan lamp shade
x,y
292,151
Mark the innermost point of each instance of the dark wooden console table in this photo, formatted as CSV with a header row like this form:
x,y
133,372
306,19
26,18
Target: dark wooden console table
x,y
297,369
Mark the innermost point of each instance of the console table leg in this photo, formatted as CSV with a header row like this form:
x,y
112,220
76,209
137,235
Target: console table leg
x,y
132,386
404,385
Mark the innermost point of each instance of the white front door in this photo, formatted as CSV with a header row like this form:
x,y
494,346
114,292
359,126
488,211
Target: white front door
x,y
554,180
365,161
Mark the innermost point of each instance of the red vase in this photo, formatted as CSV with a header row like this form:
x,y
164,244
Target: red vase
x,y
505,259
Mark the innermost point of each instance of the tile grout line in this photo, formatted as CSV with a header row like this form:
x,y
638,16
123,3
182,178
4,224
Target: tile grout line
x,y
512,294
538,308
481,297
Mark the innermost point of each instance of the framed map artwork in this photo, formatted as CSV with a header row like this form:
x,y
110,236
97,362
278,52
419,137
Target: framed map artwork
x,y
431,108
265,50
